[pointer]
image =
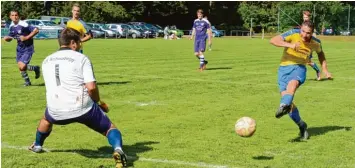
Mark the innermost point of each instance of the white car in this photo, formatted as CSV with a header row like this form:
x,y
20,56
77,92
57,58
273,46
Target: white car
x,y
43,24
124,30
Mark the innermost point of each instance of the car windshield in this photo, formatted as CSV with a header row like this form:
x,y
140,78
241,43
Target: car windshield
x,y
130,26
151,26
143,27
104,26
137,27
48,23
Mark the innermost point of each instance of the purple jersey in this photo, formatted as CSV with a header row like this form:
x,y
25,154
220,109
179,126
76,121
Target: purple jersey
x,y
201,26
22,29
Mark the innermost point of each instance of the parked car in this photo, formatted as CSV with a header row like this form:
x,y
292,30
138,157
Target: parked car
x,y
159,32
61,21
3,24
104,28
97,33
345,33
125,30
329,31
43,24
149,30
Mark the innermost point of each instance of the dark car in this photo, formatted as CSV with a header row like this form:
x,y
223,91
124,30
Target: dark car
x,y
329,31
150,31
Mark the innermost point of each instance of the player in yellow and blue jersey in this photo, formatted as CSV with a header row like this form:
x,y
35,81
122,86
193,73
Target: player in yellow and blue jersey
x,y
292,71
77,24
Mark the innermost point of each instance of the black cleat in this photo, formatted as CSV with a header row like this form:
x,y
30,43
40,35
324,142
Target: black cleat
x,y
303,130
283,110
204,65
37,72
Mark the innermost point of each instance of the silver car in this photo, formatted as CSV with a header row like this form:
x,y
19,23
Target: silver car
x,y
43,24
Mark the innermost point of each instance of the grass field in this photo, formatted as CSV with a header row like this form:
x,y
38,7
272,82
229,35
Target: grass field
x,y
171,115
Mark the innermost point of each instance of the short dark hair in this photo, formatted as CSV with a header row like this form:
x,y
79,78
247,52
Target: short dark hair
x,y
14,10
309,24
200,11
67,35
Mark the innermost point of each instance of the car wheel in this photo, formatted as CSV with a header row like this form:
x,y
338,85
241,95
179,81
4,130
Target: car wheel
x,y
134,35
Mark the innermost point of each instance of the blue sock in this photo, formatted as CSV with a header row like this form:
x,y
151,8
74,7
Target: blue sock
x,y
315,67
295,115
40,137
115,138
287,99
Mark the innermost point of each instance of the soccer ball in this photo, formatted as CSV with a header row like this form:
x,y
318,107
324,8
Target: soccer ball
x,y
245,127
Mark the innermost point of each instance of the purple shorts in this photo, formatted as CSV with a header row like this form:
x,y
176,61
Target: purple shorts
x,y
95,119
200,45
24,57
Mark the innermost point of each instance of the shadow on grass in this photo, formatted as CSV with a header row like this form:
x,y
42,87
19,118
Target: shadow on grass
x,y
218,68
321,80
263,157
8,57
316,131
98,83
113,83
106,151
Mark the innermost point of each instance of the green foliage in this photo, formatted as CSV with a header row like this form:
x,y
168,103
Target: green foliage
x,y
228,14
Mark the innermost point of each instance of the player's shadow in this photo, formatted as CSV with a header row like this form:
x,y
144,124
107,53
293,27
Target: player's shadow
x,y
106,151
263,157
317,131
218,68
321,80
98,83
113,83
8,57
41,84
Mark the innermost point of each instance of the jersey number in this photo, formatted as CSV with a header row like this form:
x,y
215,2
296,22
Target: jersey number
x,y
57,74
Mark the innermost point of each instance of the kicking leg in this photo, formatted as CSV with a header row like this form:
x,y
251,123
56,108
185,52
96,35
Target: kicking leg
x,y
287,98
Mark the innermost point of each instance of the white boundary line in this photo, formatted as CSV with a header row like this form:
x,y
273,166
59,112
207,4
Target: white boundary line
x,y
250,83
142,159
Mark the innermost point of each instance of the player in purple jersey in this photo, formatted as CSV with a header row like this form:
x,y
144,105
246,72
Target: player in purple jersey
x,y
200,26
24,34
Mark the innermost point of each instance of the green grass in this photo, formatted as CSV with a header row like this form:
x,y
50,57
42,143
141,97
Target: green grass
x,y
167,110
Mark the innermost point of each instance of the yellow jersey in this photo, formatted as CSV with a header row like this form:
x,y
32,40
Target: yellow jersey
x,y
291,56
77,25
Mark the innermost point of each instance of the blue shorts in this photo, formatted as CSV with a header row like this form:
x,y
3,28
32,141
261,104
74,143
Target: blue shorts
x,y
95,119
24,57
200,45
291,72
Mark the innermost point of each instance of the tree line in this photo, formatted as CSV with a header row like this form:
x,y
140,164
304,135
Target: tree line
x,y
225,15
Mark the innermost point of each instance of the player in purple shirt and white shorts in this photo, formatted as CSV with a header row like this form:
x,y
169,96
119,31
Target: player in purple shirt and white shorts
x,y
200,26
24,34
